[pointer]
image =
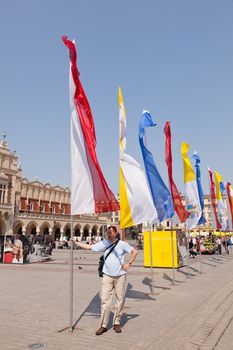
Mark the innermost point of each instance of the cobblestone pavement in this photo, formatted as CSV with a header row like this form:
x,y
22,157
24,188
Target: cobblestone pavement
x,y
195,313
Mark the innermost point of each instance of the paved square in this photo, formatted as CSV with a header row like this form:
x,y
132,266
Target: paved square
x,y
196,313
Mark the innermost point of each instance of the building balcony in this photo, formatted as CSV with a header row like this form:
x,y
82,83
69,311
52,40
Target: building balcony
x,y
60,217
6,206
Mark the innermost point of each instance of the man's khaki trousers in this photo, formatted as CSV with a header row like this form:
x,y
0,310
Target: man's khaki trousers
x,y
109,285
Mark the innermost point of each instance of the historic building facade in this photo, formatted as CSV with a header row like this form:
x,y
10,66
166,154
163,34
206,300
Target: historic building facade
x,y
42,209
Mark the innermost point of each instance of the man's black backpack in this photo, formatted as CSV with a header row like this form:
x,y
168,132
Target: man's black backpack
x,y
102,259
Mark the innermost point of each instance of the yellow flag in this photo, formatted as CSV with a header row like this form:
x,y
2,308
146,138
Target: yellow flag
x,y
136,204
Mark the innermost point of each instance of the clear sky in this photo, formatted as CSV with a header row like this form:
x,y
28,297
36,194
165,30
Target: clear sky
x,y
171,57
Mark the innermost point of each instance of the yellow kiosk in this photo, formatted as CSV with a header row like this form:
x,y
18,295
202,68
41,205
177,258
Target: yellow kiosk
x,y
162,249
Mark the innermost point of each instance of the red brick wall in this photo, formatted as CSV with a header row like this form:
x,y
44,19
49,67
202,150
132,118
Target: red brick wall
x,y
56,206
48,209
23,204
36,207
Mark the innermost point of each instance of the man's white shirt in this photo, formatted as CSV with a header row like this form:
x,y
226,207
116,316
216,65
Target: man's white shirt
x,y
115,260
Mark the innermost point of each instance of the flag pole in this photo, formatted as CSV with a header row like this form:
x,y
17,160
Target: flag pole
x,y
4,243
71,276
173,267
151,263
187,238
200,249
188,260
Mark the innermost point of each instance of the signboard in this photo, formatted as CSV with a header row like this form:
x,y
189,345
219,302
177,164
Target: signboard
x,y
161,249
18,249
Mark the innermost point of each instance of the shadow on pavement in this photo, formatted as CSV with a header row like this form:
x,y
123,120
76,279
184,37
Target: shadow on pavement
x,y
226,258
135,294
127,317
186,273
219,261
205,263
148,281
195,270
168,278
93,309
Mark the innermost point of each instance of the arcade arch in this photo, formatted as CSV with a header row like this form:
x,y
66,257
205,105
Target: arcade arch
x,y
18,228
66,232
102,230
31,228
77,230
2,227
44,230
86,230
94,231
57,231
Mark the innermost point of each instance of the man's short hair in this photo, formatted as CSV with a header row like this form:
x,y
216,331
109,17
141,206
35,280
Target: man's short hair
x,y
113,228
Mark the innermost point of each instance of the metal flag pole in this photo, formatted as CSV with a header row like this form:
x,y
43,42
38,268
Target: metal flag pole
x,y
187,238
4,243
231,233
151,263
230,246
71,277
200,249
173,267
188,260
226,247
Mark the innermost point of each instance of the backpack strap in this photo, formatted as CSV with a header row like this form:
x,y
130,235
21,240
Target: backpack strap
x,y
113,245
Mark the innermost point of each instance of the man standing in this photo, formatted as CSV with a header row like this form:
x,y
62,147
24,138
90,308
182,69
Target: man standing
x,y
218,241
114,276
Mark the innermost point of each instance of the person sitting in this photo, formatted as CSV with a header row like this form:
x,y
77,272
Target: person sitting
x,y
192,253
192,250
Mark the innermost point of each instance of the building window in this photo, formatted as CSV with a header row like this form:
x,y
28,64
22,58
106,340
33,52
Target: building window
x,y
31,206
53,210
62,210
2,193
42,208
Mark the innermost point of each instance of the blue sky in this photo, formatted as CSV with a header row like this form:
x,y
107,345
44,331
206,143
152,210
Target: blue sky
x,y
171,57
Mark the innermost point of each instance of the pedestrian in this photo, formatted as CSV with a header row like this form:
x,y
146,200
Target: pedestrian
x,y
219,243
114,276
198,245
224,244
229,245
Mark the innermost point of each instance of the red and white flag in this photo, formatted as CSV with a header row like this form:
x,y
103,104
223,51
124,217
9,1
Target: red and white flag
x,y
230,205
180,210
89,190
216,222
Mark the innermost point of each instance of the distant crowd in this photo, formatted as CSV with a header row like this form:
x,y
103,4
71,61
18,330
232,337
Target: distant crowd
x,y
210,245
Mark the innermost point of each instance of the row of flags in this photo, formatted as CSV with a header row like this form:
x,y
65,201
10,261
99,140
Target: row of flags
x,y
144,197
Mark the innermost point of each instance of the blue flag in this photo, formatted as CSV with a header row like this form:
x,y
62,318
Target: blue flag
x,y
161,195
222,187
196,157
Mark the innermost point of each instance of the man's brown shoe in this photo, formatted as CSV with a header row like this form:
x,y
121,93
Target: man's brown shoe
x,y
101,330
117,328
